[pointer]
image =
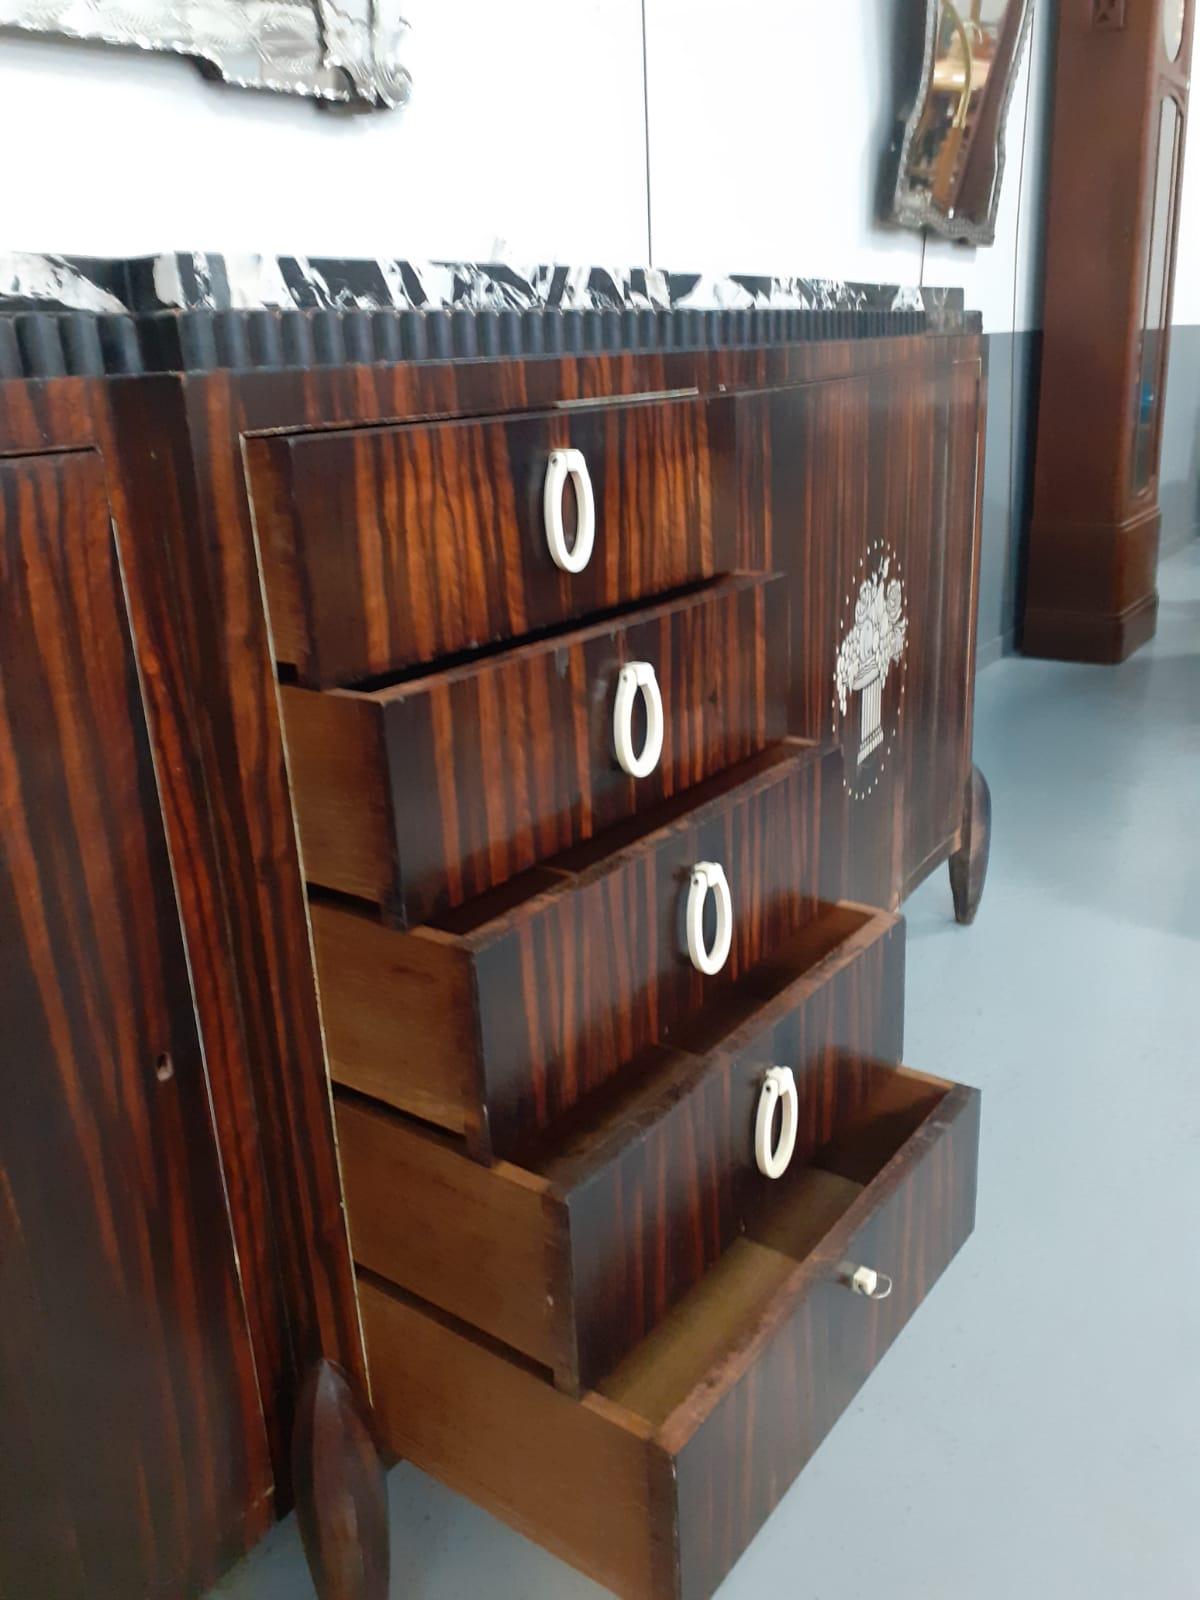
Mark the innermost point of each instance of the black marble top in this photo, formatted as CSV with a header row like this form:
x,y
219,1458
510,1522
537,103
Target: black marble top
x,y
180,282
85,315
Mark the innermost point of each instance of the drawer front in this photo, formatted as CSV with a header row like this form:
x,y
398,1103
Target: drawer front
x,y
421,796
504,1026
575,1258
657,1481
602,966
386,547
813,1356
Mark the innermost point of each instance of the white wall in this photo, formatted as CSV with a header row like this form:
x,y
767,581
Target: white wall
x,y
527,138
1003,280
767,123
526,134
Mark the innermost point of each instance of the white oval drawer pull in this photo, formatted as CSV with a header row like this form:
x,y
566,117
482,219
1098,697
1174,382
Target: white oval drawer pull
x,y
708,875
866,1281
634,676
564,464
778,1088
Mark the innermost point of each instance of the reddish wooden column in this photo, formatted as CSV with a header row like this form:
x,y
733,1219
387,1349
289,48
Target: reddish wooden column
x,y
1120,107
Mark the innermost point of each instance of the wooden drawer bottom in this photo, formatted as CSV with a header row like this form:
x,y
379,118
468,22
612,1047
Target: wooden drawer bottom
x,y
655,1482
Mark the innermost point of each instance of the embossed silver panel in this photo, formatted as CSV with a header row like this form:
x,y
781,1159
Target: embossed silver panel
x,y
348,52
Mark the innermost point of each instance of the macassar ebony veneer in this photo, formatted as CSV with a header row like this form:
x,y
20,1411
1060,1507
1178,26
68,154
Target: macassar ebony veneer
x,y
574,1256
384,547
587,1252
497,1019
656,1481
822,461
907,512
175,1254
364,630
133,1449
422,794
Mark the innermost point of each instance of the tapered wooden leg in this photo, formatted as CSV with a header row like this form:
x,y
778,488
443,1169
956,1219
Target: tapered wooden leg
x,y
968,865
341,1494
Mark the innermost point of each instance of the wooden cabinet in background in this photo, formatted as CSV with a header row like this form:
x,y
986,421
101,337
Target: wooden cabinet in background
x,y
1116,166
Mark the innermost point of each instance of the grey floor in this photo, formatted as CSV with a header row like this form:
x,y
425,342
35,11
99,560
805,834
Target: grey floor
x,y
1035,1434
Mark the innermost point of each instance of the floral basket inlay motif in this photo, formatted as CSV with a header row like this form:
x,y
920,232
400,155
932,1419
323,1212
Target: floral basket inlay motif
x,y
869,651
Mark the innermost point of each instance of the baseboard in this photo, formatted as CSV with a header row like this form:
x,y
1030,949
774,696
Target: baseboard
x,y
1097,637
989,651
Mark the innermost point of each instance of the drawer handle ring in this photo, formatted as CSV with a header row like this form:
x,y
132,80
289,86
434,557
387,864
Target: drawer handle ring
x,y
708,875
874,1285
780,1086
564,464
635,676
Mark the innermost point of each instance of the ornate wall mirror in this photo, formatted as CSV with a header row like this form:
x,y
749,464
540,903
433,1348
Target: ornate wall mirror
x,y
340,51
952,152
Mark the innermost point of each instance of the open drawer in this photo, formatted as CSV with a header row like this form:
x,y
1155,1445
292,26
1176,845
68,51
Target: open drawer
x,y
499,1018
574,1255
422,794
386,547
657,1481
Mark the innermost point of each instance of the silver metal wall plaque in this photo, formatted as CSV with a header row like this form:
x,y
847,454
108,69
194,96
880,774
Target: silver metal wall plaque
x,y
349,52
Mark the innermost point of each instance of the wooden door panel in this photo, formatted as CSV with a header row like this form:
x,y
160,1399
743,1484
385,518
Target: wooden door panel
x,y
871,479
135,1462
942,565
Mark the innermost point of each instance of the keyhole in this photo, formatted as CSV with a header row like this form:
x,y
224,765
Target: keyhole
x,y
164,1067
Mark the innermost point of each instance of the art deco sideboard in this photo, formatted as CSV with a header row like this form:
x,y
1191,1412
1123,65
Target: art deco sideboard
x,y
535,750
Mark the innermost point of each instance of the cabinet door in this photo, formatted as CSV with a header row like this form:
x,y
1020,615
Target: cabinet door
x,y
941,566
133,1454
870,491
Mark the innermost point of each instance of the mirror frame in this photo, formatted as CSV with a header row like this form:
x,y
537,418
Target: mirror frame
x,y
911,211
347,52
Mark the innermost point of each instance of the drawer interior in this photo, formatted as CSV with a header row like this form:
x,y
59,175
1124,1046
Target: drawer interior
x,y
573,1249
498,1017
605,851
422,794
483,915
649,1085
731,1305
